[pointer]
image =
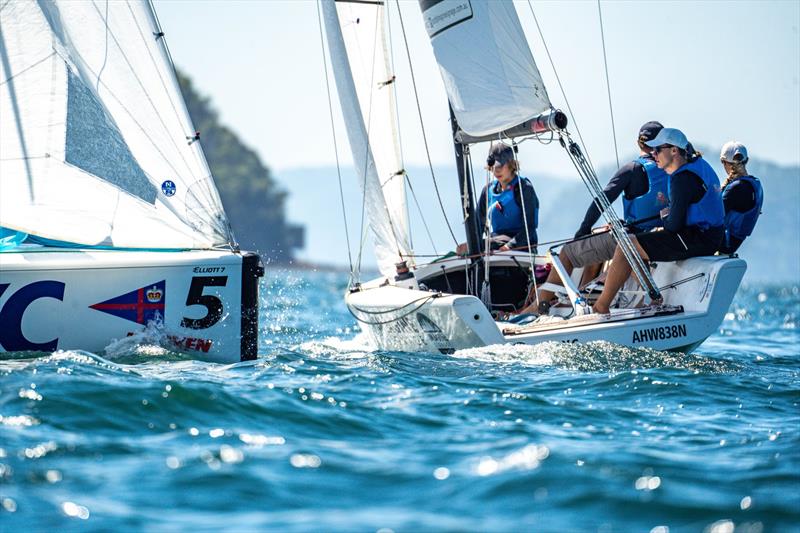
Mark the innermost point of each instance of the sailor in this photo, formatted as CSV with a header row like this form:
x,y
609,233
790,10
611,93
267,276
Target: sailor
x,y
644,185
742,196
510,202
693,223
645,193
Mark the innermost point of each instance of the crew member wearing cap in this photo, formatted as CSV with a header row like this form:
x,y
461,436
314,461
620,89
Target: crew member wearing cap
x,y
694,221
645,193
510,202
742,196
644,185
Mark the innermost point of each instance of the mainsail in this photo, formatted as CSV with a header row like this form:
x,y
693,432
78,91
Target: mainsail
x,y
491,79
96,145
365,83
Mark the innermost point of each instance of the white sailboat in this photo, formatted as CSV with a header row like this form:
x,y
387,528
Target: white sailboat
x,y
447,304
110,218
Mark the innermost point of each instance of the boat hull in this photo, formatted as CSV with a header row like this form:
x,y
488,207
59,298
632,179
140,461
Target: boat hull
x,y
405,319
203,303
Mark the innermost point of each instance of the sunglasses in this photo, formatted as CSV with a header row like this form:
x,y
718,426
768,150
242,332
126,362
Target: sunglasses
x,y
661,147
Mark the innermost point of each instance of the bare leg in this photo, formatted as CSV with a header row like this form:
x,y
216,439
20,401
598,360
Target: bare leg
x,y
590,272
618,273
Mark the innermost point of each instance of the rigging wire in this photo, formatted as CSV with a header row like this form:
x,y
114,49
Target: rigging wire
x,y
422,216
208,187
422,124
531,255
585,168
608,82
558,78
335,144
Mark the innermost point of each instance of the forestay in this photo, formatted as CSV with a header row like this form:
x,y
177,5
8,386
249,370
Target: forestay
x,y
359,53
96,146
491,79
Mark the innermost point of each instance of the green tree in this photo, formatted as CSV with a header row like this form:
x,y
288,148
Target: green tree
x,y
253,200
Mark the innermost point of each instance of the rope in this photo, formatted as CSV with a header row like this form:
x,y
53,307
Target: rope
x,y
422,216
682,281
608,83
486,289
531,257
208,188
422,125
558,79
335,144
424,300
631,254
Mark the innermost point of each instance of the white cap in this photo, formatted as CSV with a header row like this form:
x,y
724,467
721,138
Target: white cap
x,y
669,136
733,152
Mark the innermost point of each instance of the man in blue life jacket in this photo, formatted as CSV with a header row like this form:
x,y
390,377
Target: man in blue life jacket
x,y
509,202
693,224
742,196
645,194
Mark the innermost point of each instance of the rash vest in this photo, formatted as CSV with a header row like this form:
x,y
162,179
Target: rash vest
x,y
505,210
709,211
650,203
740,225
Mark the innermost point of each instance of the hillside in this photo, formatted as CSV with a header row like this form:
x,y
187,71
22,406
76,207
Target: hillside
x,y
254,202
773,252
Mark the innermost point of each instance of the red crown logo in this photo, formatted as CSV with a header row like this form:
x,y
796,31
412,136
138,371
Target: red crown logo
x,y
154,294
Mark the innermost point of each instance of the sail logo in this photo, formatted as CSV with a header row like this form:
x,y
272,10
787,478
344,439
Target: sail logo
x,y
168,188
142,305
440,15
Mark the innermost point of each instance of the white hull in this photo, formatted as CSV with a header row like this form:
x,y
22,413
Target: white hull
x,y
205,303
407,319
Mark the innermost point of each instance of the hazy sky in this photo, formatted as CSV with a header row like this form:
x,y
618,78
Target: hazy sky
x,y
718,70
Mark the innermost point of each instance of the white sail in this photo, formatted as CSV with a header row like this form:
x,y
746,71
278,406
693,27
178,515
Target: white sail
x,y
488,70
359,54
93,136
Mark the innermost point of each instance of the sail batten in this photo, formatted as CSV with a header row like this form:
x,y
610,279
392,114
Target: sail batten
x,y
365,85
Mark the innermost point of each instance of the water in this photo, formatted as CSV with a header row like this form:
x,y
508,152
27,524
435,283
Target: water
x,y
322,433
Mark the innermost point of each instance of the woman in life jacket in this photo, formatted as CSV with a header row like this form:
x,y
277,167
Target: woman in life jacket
x,y
693,224
508,208
742,196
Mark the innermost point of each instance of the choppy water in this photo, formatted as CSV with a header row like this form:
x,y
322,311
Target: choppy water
x,y
324,434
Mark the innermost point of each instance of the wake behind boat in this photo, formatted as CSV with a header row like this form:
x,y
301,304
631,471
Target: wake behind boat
x,y
453,302
110,220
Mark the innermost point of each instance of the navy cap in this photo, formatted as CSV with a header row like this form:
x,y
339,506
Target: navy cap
x,y
649,130
500,153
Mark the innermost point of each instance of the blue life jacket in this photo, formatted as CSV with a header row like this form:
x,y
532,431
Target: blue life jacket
x,y
708,212
740,225
653,201
505,211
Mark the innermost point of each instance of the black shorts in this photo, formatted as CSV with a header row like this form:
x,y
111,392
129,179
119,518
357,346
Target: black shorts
x,y
689,242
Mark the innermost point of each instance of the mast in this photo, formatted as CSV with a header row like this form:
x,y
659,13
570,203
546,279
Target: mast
x,y
467,191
